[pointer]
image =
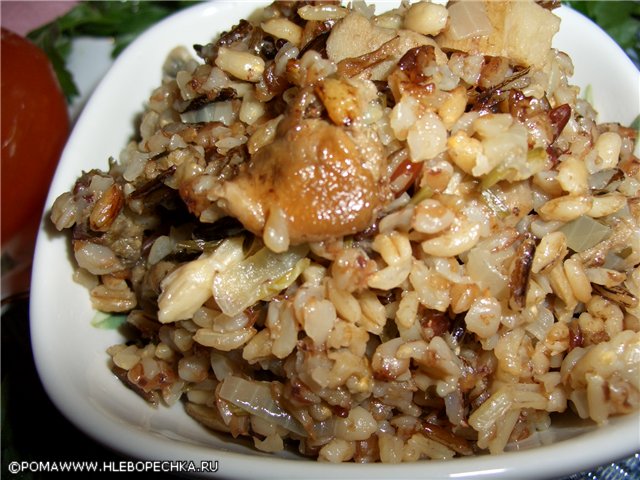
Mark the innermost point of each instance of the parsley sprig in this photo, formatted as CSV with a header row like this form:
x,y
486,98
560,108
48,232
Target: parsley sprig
x,y
121,20
620,19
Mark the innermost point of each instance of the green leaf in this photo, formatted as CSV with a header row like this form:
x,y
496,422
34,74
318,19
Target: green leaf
x,y
107,321
625,32
587,94
620,19
122,21
57,48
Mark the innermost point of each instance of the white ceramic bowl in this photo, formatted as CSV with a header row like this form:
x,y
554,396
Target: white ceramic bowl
x,y
70,353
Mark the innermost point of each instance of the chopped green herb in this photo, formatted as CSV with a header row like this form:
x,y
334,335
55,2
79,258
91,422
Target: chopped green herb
x,y
422,194
495,202
497,174
625,252
587,94
106,321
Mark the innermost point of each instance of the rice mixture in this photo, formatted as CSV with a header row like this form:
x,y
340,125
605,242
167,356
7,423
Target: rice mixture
x,y
371,237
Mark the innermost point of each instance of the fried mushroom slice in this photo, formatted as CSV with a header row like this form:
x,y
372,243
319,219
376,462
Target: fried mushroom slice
x,y
314,182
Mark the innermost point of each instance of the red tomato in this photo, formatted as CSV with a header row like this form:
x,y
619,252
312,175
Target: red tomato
x,y
35,126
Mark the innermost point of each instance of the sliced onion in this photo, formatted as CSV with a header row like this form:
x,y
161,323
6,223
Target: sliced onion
x,y
486,267
494,408
162,247
584,232
454,407
599,180
468,19
256,278
324,430
256,399
221,365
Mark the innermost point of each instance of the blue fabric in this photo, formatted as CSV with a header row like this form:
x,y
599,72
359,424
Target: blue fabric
x,y
628,469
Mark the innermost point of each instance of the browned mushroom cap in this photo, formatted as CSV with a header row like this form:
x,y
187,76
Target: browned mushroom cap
x,y
324,181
